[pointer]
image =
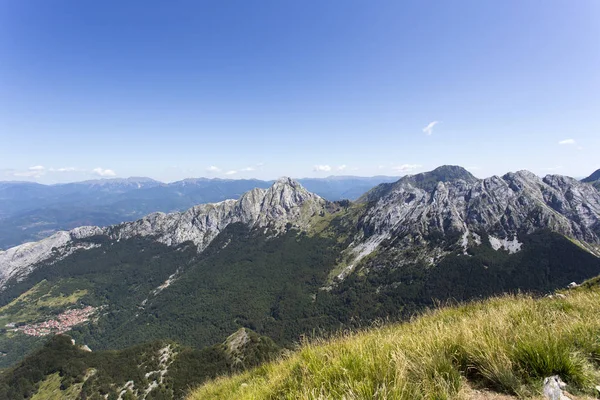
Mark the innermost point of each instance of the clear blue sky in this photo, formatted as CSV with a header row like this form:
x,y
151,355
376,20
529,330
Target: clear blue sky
x,y
301,88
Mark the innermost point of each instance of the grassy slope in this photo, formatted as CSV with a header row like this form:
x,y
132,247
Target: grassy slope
x,y
506,344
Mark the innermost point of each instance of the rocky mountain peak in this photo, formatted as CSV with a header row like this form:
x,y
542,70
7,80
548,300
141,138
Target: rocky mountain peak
x,y
290,191
450,201
427,181
449,173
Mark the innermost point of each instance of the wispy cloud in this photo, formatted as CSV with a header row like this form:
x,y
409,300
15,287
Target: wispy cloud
x,y
213,169
342,167
567,141
232,172
104,172
31,172
322,168
247,169
406,168
64,169
428,130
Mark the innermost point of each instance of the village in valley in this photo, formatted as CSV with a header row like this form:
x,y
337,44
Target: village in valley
x,y
62,323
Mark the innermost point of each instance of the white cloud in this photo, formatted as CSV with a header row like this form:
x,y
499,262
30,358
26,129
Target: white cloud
x,y
32,172
103,172
428,130
64,169
567,141
406,168
322,168
29,174
212,168
232,172
247,169
342,167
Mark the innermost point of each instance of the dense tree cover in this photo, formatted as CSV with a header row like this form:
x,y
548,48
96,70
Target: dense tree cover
x,y
105,373
273,284
548,261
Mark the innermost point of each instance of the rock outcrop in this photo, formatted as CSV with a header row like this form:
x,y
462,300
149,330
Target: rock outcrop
x,y
449,201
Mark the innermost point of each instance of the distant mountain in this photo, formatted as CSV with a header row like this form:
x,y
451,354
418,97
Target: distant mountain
x,y
284,262
593,179
30,211
595,176
335,188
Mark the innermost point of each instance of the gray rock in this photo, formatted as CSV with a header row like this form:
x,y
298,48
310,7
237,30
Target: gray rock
x,y
553,388
414,208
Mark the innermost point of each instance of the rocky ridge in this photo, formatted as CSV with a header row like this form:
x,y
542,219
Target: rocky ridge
x,y
285,202
416,211
451,202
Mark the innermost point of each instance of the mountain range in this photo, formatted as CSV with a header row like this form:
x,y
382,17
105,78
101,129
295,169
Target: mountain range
x,y
31,211
285,262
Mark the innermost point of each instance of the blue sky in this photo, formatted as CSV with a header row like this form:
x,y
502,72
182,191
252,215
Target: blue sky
x,y
301,88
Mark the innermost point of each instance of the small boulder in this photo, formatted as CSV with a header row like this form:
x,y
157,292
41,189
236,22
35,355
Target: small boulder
x,y
572,285
553,388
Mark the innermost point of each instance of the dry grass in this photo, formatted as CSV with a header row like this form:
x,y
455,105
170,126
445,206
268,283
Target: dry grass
x,y
505,345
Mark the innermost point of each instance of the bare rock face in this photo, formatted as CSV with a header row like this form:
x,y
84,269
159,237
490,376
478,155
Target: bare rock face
x,y
286,202
447,201
553,388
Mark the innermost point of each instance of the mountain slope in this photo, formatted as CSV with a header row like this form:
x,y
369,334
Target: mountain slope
x,y
284,262
158,370
507,344
284,202
595,176
593,179
450,203
30,211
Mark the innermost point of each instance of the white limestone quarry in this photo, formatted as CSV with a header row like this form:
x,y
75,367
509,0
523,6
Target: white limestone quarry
x,y
512,246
